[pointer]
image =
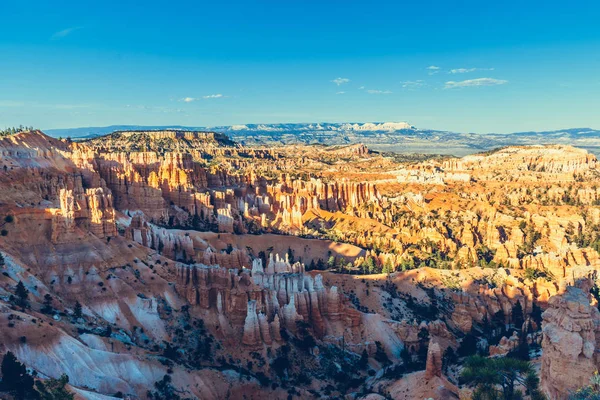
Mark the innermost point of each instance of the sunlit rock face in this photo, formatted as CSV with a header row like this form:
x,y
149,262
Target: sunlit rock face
x,y
266,300
570,330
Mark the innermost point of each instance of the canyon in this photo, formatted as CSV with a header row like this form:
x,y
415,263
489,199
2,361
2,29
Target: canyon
x,y
295,271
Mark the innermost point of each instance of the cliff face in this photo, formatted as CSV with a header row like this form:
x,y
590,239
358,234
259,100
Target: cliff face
x,y
91,210
155,184
265,300
570,331
548,159
168,187
55,185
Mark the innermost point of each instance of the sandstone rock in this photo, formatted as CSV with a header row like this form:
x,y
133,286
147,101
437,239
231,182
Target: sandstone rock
x,y
505,345
252,334
265,330
569,342
433,366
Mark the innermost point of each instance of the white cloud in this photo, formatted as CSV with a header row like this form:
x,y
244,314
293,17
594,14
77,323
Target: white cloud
x,y
209,96
341,93
462,70
361,88
433,69
475,82
465,70
412,84
340,81
64,32
372,91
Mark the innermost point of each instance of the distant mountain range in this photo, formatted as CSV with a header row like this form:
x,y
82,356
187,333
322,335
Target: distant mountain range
x,y
383,136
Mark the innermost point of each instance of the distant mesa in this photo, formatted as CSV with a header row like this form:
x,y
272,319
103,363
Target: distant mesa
x,y
400,137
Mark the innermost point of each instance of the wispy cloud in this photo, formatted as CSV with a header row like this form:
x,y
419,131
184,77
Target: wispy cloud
x,y
411,85
361,88
341,93
340,81
208,96
11,103
373,91
69,106
475,82
466,70
433,69
65,32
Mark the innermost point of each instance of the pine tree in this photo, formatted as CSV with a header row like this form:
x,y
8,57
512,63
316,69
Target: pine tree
x,y
364,359
449,358
517,316
468,346
320,265
331,262
78,312
498,321
522,350
380,354
388,267
499,378
406,358
54,389
22,293
47,308
536,315
15,377
370,265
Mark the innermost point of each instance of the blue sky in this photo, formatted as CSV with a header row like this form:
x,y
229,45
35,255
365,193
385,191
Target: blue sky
x,y
469,66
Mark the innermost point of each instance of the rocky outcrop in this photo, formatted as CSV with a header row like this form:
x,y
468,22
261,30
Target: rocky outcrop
x,y
548,159
428,384
433,366
274,300
156,182
505,346
174,245
252,331
473,306
89,209
570,331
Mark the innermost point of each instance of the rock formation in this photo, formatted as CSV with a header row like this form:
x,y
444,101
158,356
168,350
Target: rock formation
x,y
434,361
252,329
570,330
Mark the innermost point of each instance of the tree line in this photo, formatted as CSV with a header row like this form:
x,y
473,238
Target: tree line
x,y
13,130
